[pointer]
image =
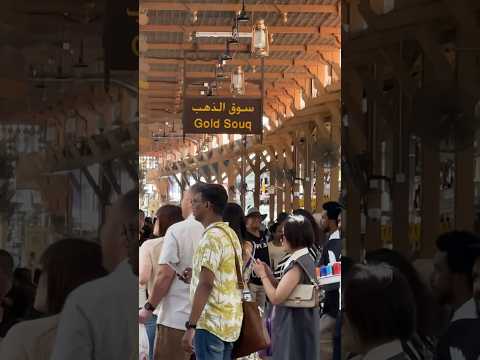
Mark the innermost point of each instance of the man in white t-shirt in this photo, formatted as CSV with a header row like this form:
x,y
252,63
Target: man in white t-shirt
x,y
97,322
170,292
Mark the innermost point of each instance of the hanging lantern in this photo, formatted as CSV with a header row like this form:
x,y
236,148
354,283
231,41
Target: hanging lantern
x,y
238,82
260,39
219,71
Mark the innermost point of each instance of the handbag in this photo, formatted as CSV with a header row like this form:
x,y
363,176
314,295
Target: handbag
x,y
305,296
253,334
268,324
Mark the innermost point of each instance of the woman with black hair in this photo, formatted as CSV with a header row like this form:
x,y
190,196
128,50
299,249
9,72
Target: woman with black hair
x,y
275,248
234,216
380,311
66,265
423,342
294,330
319,241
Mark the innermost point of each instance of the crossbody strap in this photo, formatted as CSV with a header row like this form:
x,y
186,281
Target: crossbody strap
x,y
240,282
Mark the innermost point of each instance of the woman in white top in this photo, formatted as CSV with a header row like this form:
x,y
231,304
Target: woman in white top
x,y
275,247
66,265
149,254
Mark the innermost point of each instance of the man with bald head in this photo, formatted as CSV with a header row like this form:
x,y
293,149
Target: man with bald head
x,y
180,242
97,321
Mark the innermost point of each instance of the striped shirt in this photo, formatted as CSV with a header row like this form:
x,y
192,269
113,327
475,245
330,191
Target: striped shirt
x,y
420,347
280,268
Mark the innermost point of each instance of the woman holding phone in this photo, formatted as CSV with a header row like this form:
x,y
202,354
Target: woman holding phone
x,y
300,325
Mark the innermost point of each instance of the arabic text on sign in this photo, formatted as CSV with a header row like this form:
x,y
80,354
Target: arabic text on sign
x,y
234,110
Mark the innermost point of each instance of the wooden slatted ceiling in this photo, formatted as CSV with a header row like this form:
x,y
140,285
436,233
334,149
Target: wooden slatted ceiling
x,y
309,39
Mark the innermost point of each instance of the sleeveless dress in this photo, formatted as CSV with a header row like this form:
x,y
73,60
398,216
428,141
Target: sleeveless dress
x,y
295,331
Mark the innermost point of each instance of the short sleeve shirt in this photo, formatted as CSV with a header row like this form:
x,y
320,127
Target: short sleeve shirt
x,y
178,248
223,314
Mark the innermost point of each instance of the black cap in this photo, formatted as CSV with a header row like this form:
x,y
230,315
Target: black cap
x,y
333,209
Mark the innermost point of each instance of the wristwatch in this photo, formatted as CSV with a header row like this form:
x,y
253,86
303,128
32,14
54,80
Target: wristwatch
x,y
149,307
190,326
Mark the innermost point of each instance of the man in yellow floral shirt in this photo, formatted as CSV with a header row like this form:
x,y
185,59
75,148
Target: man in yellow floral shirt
x,y
216,317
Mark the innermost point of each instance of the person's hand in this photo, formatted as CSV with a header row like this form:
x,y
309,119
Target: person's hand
x,y
144,315
260,268
186,275
187,341
268,270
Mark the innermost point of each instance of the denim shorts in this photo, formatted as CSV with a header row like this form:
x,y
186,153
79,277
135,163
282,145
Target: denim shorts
x,y
210,347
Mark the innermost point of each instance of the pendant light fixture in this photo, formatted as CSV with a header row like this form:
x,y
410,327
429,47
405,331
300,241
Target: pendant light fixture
x,y
227,55
238,82
242,16
260,39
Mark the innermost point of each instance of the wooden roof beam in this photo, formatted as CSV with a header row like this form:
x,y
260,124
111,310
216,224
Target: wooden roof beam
x,y
322,31
278,105
211,75
272,115
236,62
285,100
222,7
188,46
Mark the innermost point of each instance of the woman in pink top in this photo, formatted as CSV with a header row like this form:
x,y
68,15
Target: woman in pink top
x,y
149,254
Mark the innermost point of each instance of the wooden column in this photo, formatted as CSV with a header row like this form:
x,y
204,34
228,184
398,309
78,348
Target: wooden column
x,y
288,185
256,172
231,177
373,238
334,186
319,185
466,66
464,189
288,196
337,139
296,165
307,176
352,222
273,183
430,200
279,190
279,194
400,184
